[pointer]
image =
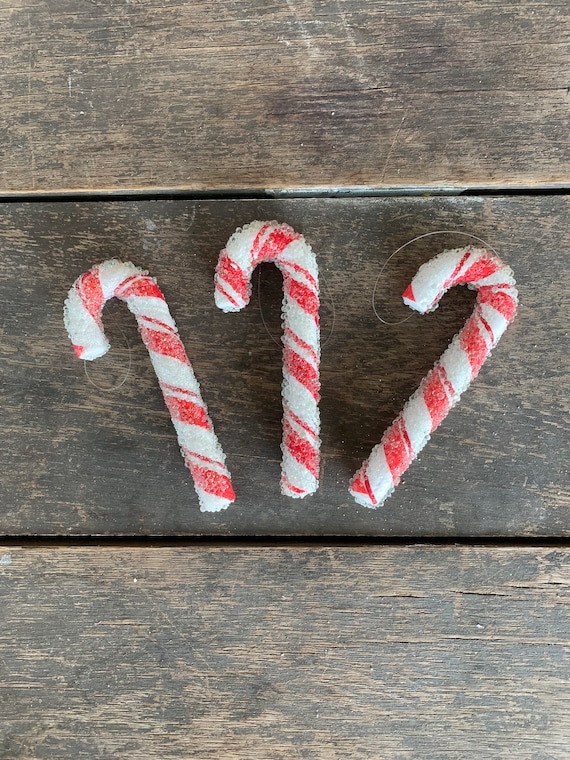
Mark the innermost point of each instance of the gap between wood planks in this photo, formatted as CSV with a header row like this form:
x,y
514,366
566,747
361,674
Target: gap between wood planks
x,y
166,194
164,542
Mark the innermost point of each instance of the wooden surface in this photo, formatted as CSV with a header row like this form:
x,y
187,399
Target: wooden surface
x,y
75,459
275,653
202,96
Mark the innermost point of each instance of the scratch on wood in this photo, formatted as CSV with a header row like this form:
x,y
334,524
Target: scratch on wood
x,y
305,33
394,142
349,35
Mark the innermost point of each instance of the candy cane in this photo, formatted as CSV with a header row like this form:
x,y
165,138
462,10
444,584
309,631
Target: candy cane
x,y
269,241
82,315
460,363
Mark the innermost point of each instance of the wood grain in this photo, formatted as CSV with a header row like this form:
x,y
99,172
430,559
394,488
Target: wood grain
x,y
308,93
276,653
78,459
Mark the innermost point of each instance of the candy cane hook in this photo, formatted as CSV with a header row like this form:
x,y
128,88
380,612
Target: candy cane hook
x,y
82,315
460,363
269,241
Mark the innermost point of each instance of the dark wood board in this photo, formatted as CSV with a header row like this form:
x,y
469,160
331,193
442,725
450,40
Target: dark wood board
x,y
75,459
307,93
278,653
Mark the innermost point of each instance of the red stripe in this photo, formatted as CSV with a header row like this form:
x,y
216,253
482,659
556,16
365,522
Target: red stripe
x,y
452,279
256,245
397,448
78,350
361,484
195,455
234,275
302,371
435,389
291,487
299,268
211,481
174,389
408,293
301,449
307,299
473,343
486,325
486,266
298,421
227,295
300,342
275,243
138,285
187,411
91,293
166,344
501,301
164,325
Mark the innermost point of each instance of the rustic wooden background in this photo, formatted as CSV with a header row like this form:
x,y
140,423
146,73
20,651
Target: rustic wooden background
x,y
81,460
124,631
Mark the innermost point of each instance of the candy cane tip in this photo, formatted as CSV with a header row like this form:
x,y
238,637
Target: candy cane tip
x,y
214,504
361,491
224,303
409,297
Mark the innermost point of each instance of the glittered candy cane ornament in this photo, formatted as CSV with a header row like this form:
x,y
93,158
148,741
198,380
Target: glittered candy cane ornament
x,y
269,241
82,315
460,363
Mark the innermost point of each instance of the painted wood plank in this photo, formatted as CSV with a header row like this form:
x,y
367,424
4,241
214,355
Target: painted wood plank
x,y
134,95
78,458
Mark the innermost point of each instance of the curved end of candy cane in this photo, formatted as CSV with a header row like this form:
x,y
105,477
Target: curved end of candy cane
x,y
232,281
85,331
475,267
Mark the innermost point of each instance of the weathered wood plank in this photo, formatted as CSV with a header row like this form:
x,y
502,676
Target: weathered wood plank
x,y
284,652
78,459
257,94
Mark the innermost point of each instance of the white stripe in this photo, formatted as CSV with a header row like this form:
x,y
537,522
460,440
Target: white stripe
x,y
297,475
457,367
503,276
308,356
150,324
217,467
209,502
302,324
300,430
379,477
152,307
495,319
174,372
239,245
113,272
184,395
294,274
428,282
300,252
417,421
83,328
301,402
484,333
199,439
